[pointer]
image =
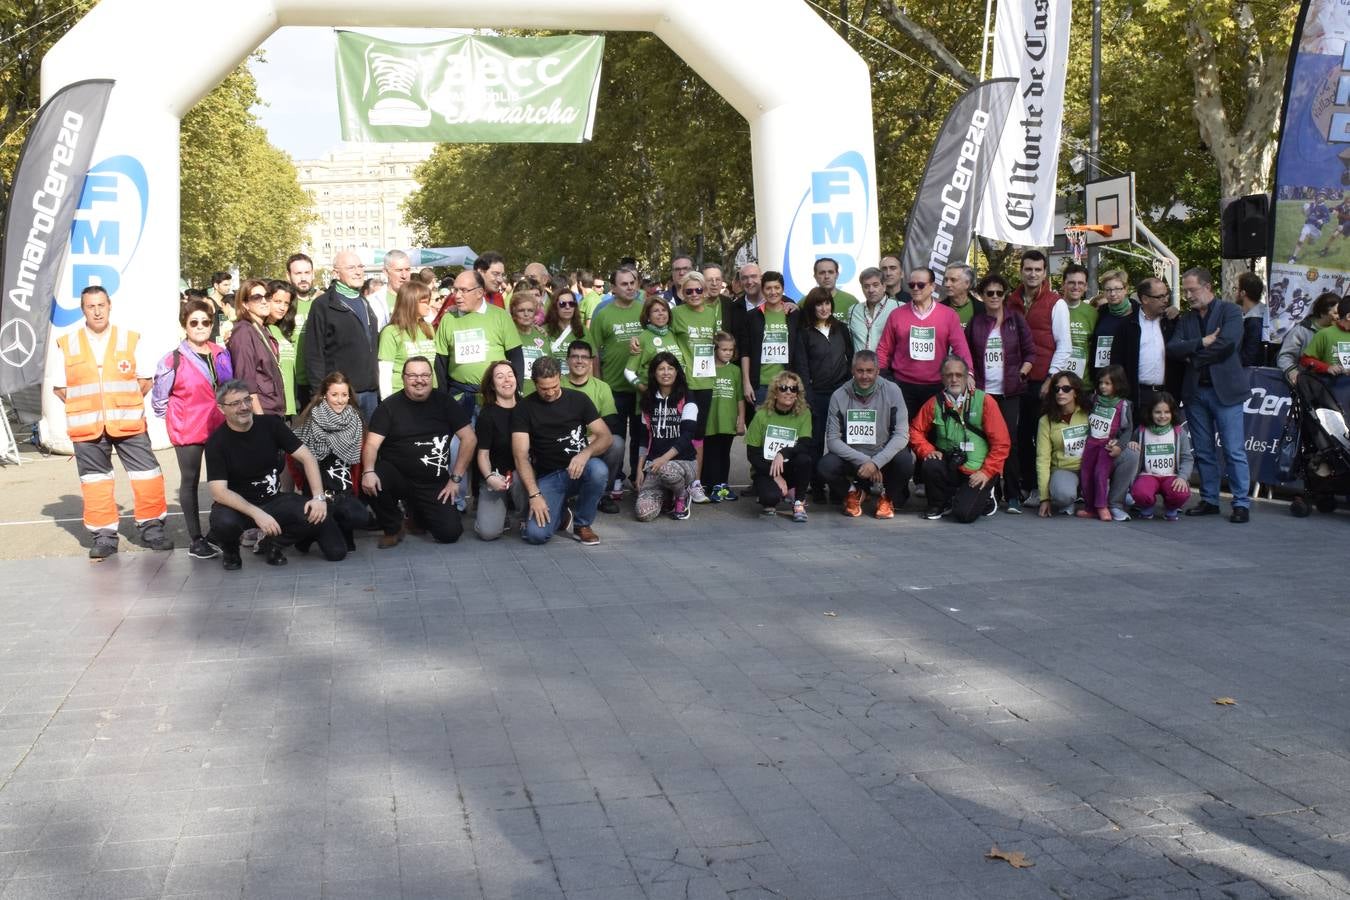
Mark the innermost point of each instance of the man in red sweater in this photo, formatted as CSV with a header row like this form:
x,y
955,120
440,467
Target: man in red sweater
x,y
1048,316
917,338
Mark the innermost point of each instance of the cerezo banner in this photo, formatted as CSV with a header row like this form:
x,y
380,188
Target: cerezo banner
x,y
1310,222
469,89
941,219
1031,44
48,185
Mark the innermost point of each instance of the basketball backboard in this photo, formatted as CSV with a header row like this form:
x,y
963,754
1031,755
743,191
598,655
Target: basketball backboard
x,y
1110,201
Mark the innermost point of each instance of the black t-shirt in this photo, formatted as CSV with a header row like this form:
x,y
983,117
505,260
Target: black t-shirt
x,y
417,434
250,461
335,474
557,430
494,436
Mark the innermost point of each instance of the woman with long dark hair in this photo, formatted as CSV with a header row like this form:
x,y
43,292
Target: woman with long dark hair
x,y
496,465
254,353
408,334
1061,437
667,465
330,426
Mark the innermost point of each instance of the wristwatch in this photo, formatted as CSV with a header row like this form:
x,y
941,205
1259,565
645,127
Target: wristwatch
x,y
456,478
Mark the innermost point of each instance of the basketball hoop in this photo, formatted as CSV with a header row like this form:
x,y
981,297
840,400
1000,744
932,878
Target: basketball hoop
x,y
1076,235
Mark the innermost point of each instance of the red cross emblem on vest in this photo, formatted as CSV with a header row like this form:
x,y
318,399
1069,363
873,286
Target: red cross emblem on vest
x,y
123,366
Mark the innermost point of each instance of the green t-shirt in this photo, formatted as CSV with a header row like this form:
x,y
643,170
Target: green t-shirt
x,y
557,347
613,328
297,334
965,313
695,332
474,340
600,395
843,304
652,344
773,352
726,392
286,360
1331,345
397,346
586,308
533,344
1082,322
773,430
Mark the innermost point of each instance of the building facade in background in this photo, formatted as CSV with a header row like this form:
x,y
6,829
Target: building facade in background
x,y
359,190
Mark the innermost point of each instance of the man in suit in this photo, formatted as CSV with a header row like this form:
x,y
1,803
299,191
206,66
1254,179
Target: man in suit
x,y
1139,345
1208,339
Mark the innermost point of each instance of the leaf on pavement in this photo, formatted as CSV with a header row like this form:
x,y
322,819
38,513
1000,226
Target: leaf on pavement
x,y
1225,701
1017,859
832,615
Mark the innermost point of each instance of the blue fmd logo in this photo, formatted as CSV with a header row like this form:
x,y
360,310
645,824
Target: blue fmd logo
x,y
105,234
831,219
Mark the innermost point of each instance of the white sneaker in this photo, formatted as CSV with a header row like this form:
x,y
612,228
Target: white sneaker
x,y
697,494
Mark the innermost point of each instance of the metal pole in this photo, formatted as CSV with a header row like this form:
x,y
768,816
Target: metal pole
x,y
984,42
1094,127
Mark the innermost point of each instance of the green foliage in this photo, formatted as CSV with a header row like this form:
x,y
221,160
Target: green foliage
x,y
670,160
242,203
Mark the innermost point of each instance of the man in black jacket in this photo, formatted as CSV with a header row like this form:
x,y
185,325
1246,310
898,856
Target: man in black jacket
x,y
342,334
1140,346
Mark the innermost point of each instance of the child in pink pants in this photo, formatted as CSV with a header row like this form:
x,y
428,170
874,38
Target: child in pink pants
x,y
1165,460
1109,420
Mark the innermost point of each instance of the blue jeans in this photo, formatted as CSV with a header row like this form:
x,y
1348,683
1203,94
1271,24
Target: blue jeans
x,y
557,487
366,401
1206,415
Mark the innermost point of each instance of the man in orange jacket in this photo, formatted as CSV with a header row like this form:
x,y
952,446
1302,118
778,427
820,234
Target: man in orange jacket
x,y
102,383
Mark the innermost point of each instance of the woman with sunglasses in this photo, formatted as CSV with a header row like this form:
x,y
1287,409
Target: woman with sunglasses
x,y
184,396
778,446
254,353
1061,437
562,326
408,334
281,325
1002,351
695,323
654,338
524,305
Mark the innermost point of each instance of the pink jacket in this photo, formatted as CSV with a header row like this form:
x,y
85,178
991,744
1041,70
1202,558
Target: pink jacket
x,y
893,350
185,396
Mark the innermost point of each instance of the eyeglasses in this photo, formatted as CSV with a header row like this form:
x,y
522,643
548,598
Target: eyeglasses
x,y
993,293
1064,389
1155,296
567,304
456,289
417,376
234,404
787,389
199,323
580,356
693,292
917,285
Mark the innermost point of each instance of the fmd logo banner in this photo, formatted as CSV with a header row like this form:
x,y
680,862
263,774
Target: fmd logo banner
x,y
106,233
831,220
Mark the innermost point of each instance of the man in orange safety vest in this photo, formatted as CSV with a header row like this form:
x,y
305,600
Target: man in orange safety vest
x,y
102,383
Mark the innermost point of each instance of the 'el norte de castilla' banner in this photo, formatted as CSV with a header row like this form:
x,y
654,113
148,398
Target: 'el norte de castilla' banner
x,y
469,89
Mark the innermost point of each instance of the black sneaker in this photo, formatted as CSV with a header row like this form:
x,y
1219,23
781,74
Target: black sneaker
x,y
274,556
991,508
934,513
156,539
231,561
103,548
201,548
1204,508
608,505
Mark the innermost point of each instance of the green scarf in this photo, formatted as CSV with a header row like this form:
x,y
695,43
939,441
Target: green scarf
x,y
1159,429
861,394
657,329
1122,308
350,293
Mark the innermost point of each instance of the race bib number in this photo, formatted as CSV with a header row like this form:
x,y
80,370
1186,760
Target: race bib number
x,y
1103,357
471,346
777,438
705,364
861,425
1100,420
993,354
922,343
1343,353
1075,439
1078,361
774,351
1160,459
531,353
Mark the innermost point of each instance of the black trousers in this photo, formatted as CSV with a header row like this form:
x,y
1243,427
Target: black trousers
x,y
441,520
796,472
1024,436
717,459
289,511
895,475
948,485
916,395
1011,408
189,476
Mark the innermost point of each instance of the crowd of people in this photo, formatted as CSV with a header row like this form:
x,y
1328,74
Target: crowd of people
x,y
537,402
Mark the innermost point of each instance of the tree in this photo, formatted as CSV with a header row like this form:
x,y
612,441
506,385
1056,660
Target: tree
x,y
241,200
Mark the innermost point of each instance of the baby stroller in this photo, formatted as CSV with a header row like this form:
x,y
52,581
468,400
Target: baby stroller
x,y
1315,446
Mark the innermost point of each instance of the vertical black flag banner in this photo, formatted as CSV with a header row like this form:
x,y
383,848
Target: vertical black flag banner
x,y
1310,218
46,188
943,216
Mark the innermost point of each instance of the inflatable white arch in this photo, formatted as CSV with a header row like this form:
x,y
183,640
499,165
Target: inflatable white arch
x,y
805,93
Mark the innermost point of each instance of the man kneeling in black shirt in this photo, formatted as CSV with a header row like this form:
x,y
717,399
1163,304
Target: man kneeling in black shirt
x,y
407,456
243,470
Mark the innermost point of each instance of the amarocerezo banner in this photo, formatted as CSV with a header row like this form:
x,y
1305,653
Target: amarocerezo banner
x,y
469,89
1031,44
1310,221
953,182
47,185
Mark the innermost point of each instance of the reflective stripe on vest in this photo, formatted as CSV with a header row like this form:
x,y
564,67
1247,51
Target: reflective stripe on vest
x,y
96,404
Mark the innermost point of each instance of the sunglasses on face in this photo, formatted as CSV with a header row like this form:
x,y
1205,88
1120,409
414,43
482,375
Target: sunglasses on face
x,y
567,304
199,323
693,292
787,389
918,285
1064,389
992,292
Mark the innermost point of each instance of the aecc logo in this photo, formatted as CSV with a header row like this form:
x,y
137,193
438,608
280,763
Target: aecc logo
x,y
109,223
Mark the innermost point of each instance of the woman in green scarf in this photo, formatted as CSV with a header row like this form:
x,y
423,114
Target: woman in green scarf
x,y
654,338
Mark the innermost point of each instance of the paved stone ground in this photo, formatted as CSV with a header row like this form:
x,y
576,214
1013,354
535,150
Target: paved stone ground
x,y
723,707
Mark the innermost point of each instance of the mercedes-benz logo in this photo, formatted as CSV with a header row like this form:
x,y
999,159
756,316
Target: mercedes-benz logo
x,y
18,343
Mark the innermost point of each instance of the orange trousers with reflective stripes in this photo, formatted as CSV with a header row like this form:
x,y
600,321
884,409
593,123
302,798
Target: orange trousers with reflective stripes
x,y
93,459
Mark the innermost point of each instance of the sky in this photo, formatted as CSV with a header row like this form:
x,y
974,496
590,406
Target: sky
x,y
298,85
